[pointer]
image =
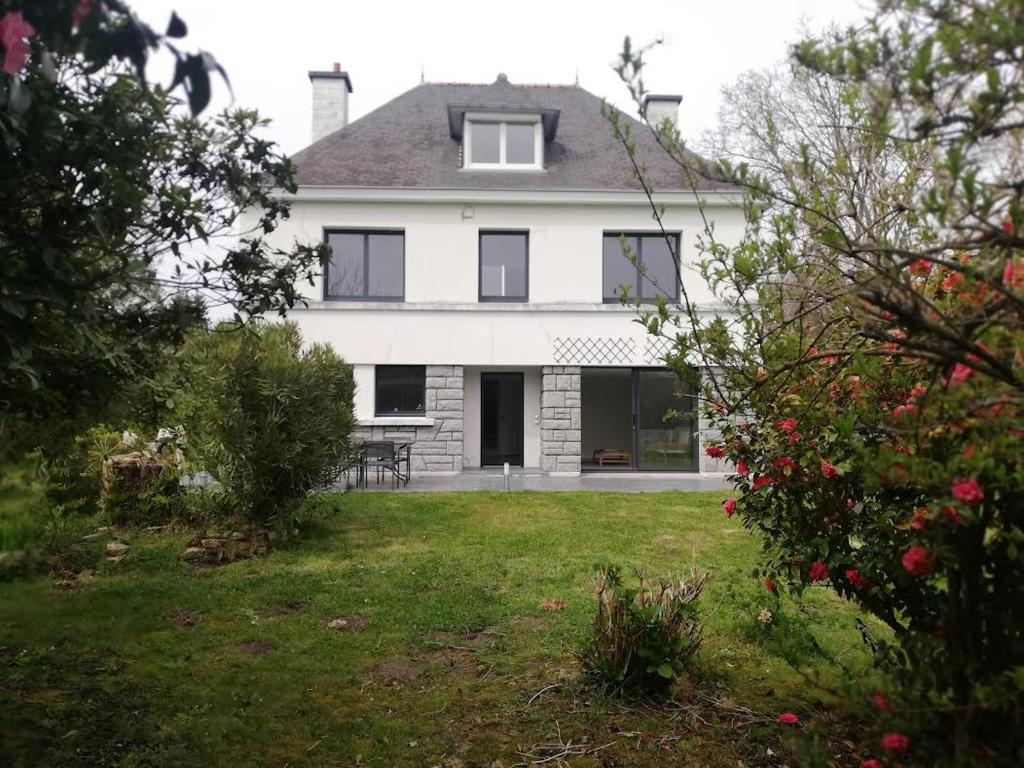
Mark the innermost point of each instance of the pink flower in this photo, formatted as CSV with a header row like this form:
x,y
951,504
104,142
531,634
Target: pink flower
x,y
917,561
762,482
967,490
895,742
828,470
786,425
921,267
871,763
714,451
13,32
741,468
952,515
960,373
856,580
907,409
818,572
788,718
83,9
729,505
882,702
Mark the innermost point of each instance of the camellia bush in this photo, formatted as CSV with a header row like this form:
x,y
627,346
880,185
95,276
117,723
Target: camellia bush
x,y
269,420
866,369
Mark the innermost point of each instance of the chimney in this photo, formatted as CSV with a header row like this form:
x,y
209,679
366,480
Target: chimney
x,y
330,100
659,107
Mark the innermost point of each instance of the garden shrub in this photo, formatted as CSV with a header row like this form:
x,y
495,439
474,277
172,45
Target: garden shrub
x,y
644,636
75,479
269,420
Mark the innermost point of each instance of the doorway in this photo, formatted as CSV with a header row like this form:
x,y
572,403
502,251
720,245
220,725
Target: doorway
x,y
501,419
637,419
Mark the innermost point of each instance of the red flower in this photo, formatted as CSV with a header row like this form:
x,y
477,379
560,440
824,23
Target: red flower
x,y
1013,275
818,572
714,451
786,464
828,470
856,580
762,482
960,373
13,32
786,425
952,515
917,561
871,763
895,742
882,702
788,718
794,438
920,520
907,409
921,267
849,503
967,490
952,281
769,585
83,9
741,468
729,505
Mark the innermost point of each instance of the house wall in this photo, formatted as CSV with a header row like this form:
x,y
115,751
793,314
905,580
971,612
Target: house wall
x,y
564,325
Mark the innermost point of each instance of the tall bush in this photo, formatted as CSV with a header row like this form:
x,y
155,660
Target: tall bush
x,y
269,420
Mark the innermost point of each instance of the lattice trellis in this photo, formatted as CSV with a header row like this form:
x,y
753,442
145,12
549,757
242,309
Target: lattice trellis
x,y
657,346
578,350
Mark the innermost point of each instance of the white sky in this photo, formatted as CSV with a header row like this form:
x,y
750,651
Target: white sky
x,y
268,47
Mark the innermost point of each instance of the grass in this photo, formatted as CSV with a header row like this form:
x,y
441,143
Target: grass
x,y
150,662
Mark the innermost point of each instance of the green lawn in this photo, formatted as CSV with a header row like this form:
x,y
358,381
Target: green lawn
x,y
150,662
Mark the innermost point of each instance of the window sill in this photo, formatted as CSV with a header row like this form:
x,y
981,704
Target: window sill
x,y
397,421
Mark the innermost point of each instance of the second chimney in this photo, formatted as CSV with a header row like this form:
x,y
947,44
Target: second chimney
x,y
330,100
661,107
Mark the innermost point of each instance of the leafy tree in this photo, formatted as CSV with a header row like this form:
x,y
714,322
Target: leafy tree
x,y
117,205
867,376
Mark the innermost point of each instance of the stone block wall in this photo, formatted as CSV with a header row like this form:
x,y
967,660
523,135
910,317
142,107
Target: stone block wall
x,y
706,433
436,448
560,419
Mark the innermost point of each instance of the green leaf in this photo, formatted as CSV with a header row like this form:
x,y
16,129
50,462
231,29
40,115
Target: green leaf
x,y
666,671
176,27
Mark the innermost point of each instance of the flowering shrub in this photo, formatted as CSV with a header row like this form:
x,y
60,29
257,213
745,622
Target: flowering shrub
x,y
644,636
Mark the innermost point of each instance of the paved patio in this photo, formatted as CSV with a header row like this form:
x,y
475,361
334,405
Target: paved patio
x,y
534,479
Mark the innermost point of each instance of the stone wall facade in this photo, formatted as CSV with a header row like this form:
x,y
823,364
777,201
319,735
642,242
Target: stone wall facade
x,y
437,448
561,412
707,433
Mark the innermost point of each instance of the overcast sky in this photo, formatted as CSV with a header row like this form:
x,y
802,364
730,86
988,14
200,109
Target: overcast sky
x,y
268,47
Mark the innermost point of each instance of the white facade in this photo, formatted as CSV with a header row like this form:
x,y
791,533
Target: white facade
x,y
563,328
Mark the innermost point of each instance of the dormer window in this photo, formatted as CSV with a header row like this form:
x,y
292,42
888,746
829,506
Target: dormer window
x,y
512,142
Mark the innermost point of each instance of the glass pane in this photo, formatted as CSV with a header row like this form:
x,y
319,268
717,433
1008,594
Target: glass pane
x,y
519,143
485,140
664,443
618,270
660,277
503,265
387,265
345,270
400,389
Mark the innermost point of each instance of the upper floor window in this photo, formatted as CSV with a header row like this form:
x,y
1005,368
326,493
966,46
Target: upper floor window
x,y
493,143
655,273
365,264
504,266
400,390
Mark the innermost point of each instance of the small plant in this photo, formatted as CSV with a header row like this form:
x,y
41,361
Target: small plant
x,y
644,636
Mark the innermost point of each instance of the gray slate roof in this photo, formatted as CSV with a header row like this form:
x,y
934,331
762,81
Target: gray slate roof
x,y
406,143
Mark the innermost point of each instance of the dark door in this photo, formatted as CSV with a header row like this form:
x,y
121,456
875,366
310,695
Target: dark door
x,y
664,422
501,419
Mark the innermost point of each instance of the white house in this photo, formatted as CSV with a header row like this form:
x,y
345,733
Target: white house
x,y
475,273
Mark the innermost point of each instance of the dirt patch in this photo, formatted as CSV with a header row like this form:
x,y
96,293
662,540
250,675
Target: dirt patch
x,y
552,604
393,673
255,647
346,623
530,622
284,608
183,617
470,639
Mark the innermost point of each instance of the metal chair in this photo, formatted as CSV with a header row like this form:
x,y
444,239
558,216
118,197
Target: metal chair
x,y
380,455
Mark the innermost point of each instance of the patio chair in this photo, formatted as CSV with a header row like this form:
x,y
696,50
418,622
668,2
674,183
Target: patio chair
x,y
380,455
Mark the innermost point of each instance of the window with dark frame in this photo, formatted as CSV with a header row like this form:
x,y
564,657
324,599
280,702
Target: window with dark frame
x,y
365,264
504,266
400,390
656,272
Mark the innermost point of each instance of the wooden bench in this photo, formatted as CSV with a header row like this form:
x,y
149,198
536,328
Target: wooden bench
x,y
604,456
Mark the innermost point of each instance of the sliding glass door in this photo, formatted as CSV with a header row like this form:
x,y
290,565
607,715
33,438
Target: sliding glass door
x,y
665,422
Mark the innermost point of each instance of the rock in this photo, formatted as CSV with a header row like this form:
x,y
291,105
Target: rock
x,y
93,536
193,553
116,550
212,544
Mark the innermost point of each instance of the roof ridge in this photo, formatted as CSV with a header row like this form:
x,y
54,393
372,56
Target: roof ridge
x,y
512,85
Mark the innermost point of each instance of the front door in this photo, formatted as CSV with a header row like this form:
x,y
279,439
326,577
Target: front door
x,y
501,419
